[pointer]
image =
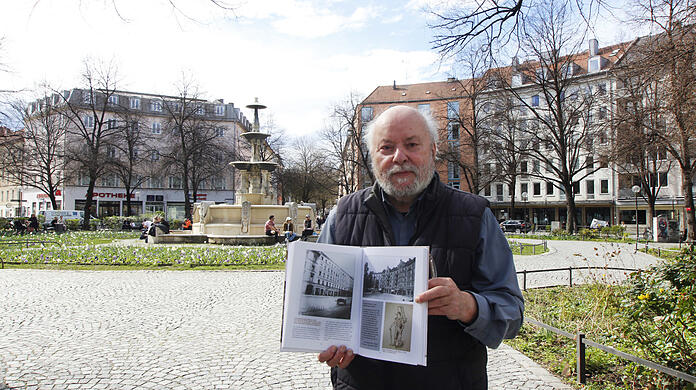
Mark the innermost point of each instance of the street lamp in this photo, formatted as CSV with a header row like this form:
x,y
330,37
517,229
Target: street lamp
x,y
636,190
524,214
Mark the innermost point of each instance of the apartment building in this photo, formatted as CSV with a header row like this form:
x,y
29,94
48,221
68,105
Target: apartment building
x,y
161,183
515,95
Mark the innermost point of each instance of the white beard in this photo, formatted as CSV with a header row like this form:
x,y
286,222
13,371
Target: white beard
x,y
396,189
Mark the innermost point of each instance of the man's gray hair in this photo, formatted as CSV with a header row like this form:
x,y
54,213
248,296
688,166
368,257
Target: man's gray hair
x,y
430,125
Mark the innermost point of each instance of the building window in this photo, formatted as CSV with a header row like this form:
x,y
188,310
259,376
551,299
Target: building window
x,y
200,109
424,109
113,99
589,163
589,186
174,182
452,110
594,65
537,189
87,97
453,131
663,179
601,89
602,113
111,152
487,191
111,124
155,182
219,131
156,106
523,188
88,121
499,191
604,186
452,170
549,188
523,167
366,114
576,187
219,110
535,101
135,103
156,128
109,180
453,184
154,155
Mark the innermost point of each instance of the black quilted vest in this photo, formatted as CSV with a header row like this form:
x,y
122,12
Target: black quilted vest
x,y
449,222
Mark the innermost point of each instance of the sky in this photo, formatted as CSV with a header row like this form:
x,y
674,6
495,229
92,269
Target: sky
x,y
299,57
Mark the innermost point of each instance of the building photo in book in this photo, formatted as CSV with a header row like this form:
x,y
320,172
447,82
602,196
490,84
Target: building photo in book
x,y
396,329
389,278
328,285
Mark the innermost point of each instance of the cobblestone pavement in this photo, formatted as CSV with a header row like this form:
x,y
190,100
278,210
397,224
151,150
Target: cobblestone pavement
x,y
196,329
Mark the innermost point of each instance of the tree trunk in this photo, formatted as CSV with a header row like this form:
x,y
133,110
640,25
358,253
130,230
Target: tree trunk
x,y
571,223
689,205
88,203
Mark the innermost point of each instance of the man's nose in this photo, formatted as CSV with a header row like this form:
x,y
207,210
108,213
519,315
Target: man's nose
x,y
399,156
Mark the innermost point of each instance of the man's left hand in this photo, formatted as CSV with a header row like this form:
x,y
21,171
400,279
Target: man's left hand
x,y
444,298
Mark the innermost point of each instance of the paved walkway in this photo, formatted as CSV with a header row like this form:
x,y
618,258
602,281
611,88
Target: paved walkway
x,y
186,330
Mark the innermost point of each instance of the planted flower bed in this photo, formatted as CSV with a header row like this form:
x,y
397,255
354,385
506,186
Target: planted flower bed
x,y
148,256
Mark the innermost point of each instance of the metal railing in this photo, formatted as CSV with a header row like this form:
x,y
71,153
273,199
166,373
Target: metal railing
x,y
570,272
581,342
522,245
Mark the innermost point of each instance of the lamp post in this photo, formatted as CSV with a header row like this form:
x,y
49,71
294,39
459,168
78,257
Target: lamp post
x,y
636,190
524,214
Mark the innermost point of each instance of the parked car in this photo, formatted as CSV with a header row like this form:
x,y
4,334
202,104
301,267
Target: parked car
x,y
341,302
513,225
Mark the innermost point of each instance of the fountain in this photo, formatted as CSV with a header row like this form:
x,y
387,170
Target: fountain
x,y
243,223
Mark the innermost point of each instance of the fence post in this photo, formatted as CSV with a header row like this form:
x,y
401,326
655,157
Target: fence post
x,y
580,357
570,273
521,248
524,280
534,249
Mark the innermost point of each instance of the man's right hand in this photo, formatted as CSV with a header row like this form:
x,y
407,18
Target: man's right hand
x,y
337,356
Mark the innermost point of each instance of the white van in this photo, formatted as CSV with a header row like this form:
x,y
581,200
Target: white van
x,y
66,214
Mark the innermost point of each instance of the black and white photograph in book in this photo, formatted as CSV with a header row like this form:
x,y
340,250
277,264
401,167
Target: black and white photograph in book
x,y
396,332
328,285
389,278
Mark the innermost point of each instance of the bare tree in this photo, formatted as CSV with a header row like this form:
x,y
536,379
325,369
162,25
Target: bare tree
x,y
130,148
35,156
306,171
346,154
346,114
497,22
669,56
639,153
468,127
567,114
89,132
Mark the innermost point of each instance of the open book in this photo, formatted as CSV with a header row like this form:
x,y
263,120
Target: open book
x,y
362,298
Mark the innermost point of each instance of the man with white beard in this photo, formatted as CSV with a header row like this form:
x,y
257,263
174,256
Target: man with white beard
x,y
474,301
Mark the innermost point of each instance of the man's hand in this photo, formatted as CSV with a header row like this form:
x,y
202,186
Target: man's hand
x,y
337,356
446,299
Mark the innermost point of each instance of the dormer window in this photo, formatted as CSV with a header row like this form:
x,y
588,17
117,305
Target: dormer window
x,y
593,65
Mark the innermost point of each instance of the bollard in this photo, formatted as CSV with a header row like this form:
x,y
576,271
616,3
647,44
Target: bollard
x,y
570,273
580,357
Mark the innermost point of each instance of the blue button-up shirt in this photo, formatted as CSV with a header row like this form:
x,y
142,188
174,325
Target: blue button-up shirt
x,y
494,282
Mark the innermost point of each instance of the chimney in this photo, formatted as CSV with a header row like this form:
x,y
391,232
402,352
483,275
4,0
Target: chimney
x,y
394,86
515,62
594,47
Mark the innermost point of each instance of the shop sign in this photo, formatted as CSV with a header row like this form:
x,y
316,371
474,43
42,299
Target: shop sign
x,y
45,196
114,195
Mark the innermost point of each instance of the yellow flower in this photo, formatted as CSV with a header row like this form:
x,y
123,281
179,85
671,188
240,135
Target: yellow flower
x,y
662,290
643,297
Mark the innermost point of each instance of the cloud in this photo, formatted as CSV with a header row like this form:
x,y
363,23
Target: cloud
x,y
305,19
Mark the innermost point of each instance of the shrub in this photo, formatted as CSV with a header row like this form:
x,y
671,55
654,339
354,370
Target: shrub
x,y
5,224
618,231
665,296
73,224
559,232
588,234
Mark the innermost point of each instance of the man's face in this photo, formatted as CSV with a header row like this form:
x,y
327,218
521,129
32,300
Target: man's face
x,y
403,155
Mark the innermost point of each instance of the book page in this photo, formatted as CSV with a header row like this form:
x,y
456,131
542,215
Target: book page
x,y
393,326
322,297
